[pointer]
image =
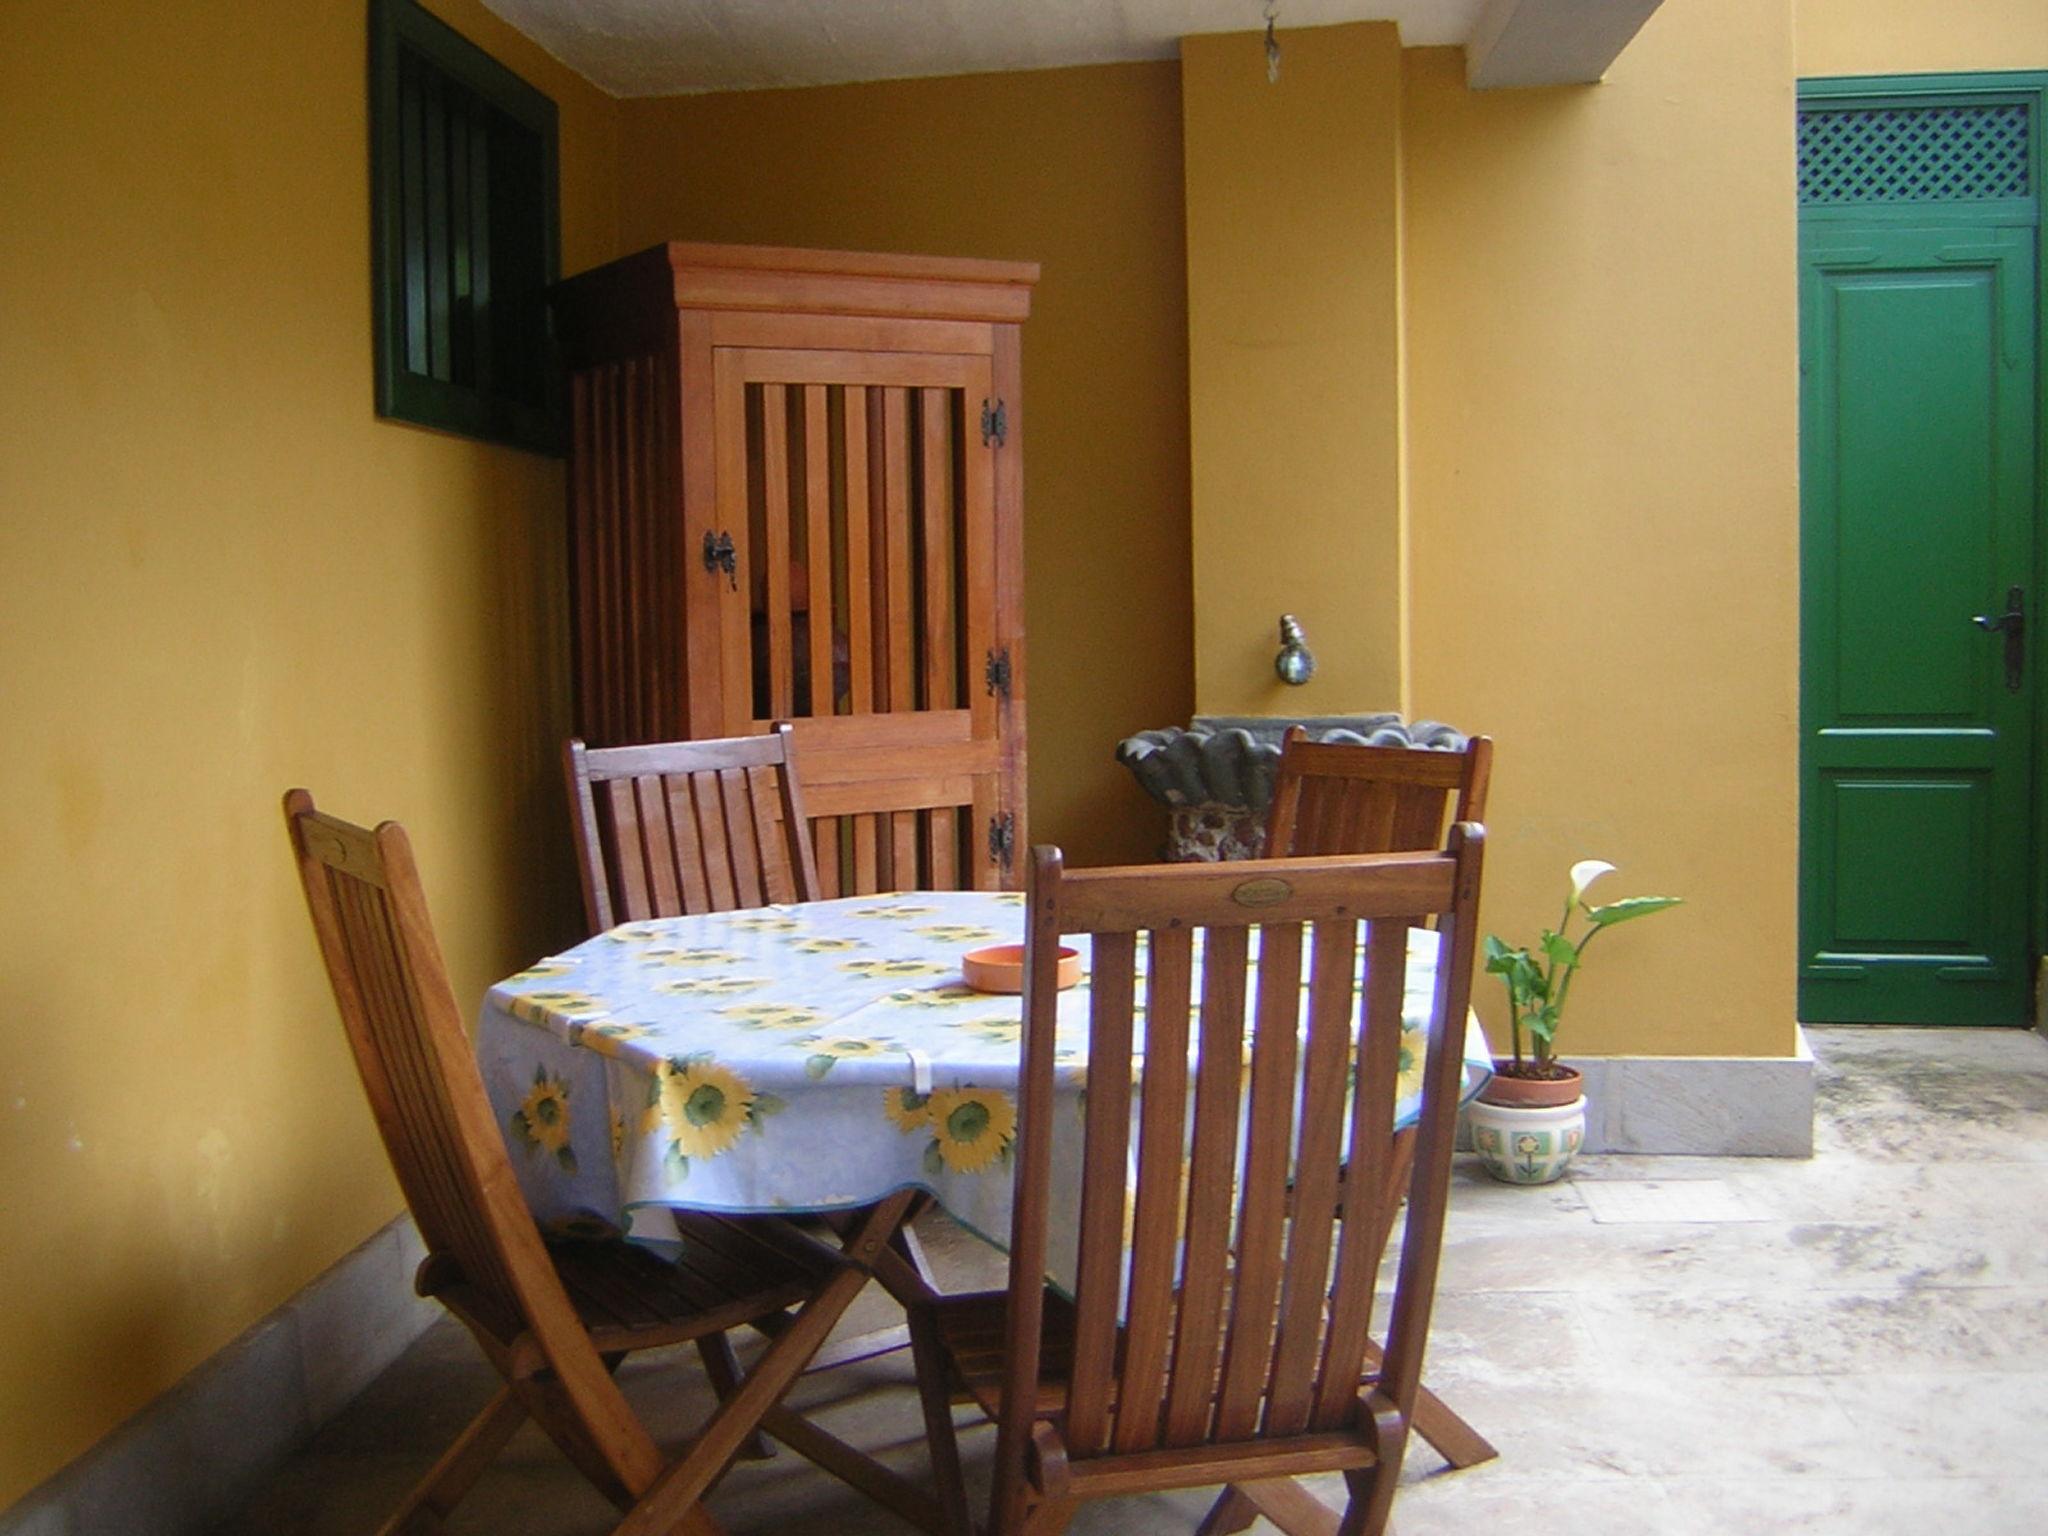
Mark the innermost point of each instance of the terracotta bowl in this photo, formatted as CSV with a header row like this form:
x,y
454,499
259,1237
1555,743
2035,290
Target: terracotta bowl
x,y
1000,968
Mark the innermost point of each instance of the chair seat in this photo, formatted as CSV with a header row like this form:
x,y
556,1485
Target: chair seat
x,y
730,1272
970,1326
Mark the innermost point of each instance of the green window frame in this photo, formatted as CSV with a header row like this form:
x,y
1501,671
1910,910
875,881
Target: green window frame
x,y
465,235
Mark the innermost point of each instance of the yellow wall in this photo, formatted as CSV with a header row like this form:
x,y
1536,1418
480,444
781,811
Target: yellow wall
x,y
219,576
1294,376
1078,169
1898,37
1603,503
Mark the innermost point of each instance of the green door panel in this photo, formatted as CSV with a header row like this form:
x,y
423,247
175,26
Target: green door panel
x,y
1917,417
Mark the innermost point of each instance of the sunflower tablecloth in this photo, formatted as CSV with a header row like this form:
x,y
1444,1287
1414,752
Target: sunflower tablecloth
x,y
808,1057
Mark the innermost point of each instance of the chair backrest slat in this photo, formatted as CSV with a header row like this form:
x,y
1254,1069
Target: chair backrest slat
x,y
1361,1238
420,1076
684,827
1237,1304
1325,1062
1105,1144
1156,1212
1212,1172
1345,797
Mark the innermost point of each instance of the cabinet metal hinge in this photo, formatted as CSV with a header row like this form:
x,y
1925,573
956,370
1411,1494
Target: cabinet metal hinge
x,y
997,673
1002,838
719,555
995,423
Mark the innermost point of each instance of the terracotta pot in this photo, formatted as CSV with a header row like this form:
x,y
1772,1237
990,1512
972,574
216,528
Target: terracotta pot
x,y
1531,1092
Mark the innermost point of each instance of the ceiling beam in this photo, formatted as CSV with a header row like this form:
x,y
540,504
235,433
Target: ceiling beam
x,y
1550,42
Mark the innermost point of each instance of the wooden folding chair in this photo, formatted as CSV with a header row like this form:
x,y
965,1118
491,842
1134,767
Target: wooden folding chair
x,y
682,827
1346,797
1342,797
557,1317
1223,1334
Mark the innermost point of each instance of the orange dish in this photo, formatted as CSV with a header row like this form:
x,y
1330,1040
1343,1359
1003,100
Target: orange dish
x,y
1000,968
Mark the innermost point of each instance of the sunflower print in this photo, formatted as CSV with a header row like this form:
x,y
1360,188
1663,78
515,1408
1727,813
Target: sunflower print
x,y
767,923
536,1007
827,944
773,1015
541,1122
827,1051
971,1129
711,986
952,995
1000,1028
956,933
1008,898
703,1106
1410,1081
896,909
646,931
605,1037
618,1136
893,969
666,956
542,970
908,1110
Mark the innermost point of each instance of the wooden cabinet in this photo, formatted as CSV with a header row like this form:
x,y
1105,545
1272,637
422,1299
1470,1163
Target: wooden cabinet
x,y
795,493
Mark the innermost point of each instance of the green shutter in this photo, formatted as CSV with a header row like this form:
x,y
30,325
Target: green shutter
x,y
465,234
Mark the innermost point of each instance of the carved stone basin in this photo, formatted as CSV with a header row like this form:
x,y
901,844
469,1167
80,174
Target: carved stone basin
x,y
1215,777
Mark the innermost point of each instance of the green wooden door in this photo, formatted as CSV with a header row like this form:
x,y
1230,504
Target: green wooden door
x,y
1918,424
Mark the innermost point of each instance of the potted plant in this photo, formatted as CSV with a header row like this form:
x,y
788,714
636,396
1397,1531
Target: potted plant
x,y
1530,1119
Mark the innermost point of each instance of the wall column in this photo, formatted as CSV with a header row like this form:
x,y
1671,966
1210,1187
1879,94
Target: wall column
x,y
1294,238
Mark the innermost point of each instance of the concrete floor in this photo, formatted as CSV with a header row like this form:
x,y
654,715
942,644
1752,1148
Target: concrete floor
x,y
1659,1345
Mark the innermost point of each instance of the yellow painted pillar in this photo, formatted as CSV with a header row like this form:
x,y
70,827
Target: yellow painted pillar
x,y
1294,365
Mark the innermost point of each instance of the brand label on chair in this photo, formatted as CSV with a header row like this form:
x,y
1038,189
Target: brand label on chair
x,y
1266,891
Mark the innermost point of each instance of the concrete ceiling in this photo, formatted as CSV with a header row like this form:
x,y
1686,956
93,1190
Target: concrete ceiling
x,y
672,47
675,47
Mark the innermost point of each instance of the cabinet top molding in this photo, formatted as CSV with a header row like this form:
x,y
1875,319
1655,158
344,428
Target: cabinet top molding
x,y
689,275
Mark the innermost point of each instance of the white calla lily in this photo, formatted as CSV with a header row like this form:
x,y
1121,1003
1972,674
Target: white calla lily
x,y
1584,873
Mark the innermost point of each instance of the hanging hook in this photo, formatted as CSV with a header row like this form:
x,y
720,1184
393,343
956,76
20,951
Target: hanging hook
x,y
1272,14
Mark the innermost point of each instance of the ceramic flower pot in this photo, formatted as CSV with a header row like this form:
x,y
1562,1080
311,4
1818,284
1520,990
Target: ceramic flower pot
x,y
1528,1130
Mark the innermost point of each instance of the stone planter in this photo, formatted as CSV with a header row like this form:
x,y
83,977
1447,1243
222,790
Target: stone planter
x,y
1527,1131
1215,778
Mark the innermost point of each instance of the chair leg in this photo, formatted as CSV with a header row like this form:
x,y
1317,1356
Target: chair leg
x,y
1291,1507
675,1494
1049,1517
459,1467
722,1370
929,1358
1232,1512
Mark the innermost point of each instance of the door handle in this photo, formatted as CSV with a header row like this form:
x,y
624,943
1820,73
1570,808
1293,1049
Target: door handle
x,y
2013,623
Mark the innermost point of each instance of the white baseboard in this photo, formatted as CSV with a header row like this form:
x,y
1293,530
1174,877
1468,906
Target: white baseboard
x,y
193,1456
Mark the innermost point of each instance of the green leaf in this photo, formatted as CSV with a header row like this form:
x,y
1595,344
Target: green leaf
x,y
818,1066
769,1104
1561,950
1631,906
567,1159
674,1164
1543,1024
933,1163
1496,954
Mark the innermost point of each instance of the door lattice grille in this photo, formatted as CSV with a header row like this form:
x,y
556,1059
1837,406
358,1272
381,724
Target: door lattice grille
x,y
1914,154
